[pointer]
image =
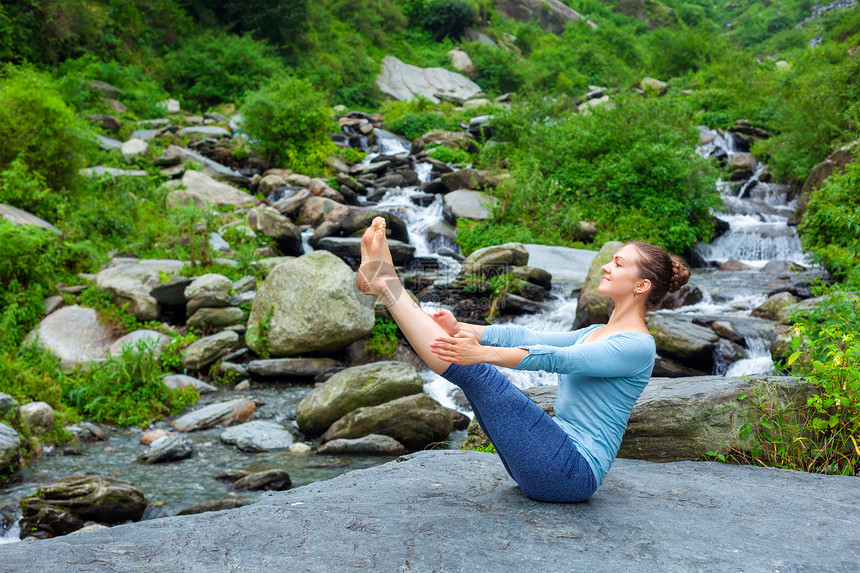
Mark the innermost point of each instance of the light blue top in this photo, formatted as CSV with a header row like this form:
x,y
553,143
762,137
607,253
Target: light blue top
x,y
598,382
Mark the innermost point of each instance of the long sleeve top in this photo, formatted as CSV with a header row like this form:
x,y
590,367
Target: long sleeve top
x,y
598,382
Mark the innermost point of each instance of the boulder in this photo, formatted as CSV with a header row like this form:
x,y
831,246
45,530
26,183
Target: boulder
x,y
10,448
372,444
462,62
686,295
404,82
132,283
134,148
562,263
201,189
217,318
470,179
651,85
225,413
317,210
19,217
692,515
134,341
8,405
204,351
168,449
770,308
269,222
277,480
74,335
205,131
149,437
356,222
175,381
734,265
367,385
76,499
280,368
210,290
678,338
452,139
742,165
781,267
549,15
474,205
258,436
593,307
495,259
38,416
415,421
309,304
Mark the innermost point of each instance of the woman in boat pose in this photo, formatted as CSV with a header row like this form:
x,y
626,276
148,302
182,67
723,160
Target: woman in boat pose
x,y
602,368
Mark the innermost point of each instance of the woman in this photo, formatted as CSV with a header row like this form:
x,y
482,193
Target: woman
x,y
602,368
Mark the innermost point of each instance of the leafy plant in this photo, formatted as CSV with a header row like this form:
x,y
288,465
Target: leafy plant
x,y
382,342
448,155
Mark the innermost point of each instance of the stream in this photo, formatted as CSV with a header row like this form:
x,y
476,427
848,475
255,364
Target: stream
x,y
757,213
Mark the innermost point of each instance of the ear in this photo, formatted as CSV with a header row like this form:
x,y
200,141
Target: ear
x,y
643,286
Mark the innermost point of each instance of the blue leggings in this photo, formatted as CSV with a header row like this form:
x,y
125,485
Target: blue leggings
x,y
537,453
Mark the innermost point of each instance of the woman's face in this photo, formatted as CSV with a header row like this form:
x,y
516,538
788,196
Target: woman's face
x,y
621,274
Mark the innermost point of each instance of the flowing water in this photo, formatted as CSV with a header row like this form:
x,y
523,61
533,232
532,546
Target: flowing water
x,y
756,211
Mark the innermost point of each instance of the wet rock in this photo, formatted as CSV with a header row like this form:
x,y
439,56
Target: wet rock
x,y
299,294
353,388
372,444
474,205
356,222
734,265
201,189
666,368
151,340
276,368
203,352
277,480
73,500
533,275
10,447
679,339
20,217
317,210
593,307
687,295
403,82
781,267
349,248
459,420
175,381
212,505
549,15
38,416
224,413
742,166
148,437
770,308
415,421
216,318
168,449
258,436
299,448
75,335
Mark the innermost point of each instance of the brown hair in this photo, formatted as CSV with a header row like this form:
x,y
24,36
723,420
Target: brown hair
x,y
667,275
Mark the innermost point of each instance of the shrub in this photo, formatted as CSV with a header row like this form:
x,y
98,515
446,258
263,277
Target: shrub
x,y
214,68
27,190
126,390
27,255
288,122
448,155
498,71
443,18
382,342
39,129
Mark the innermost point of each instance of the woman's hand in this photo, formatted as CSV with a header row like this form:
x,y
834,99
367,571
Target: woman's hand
x,y
462,348
446,320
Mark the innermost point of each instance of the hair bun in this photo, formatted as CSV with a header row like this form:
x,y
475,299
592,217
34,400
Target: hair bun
x,y
680,276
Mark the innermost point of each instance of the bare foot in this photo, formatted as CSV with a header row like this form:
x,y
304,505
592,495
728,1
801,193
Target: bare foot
x,y
376,275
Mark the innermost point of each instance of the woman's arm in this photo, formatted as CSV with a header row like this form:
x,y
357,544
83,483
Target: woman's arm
x,y
464,349
507,335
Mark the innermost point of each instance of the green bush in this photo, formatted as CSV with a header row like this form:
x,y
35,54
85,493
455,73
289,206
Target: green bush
x,y
382,342
288,123
27,190
214,68
498,71
127,390
443,18
39,129
28,255
416,124
448,155
831,225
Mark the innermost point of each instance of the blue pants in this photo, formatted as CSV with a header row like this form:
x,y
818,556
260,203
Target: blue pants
x,y
537,453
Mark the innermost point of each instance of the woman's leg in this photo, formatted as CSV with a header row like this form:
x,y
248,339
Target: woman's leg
x,y
535,450
537,453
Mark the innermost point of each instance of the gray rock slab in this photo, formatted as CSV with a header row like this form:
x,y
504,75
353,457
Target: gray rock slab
x,y
420,514
210,167
290,367
108,143
75,335
563,263
404,82
18,216
144,134
205,130
258,436
176,381
100,170
10,447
